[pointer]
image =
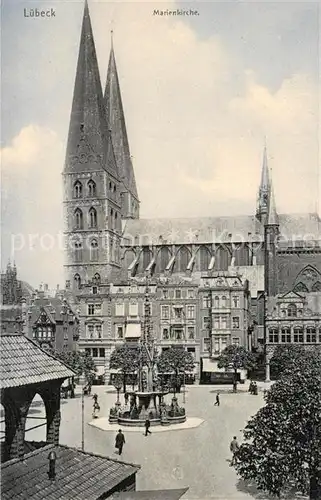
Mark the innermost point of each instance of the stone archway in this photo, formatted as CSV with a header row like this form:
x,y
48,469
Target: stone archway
x,y
16,402
36,420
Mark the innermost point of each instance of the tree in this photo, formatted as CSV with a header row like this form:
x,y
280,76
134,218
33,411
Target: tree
x,y
176,361
80,362
284,357
236,358
126,359
117,383
283,453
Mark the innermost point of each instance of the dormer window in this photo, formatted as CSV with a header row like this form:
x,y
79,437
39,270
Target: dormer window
x,y
292,311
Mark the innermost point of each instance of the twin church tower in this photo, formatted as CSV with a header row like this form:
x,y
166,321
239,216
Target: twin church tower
x,y
101,201
99,181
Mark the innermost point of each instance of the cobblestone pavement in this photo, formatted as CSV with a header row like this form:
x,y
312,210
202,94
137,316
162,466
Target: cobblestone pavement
x,y
197,457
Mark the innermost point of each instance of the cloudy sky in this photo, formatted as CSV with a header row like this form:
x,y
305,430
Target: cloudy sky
x,y
200,94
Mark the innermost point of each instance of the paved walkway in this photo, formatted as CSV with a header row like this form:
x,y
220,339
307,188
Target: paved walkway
x,y
104,425
197,457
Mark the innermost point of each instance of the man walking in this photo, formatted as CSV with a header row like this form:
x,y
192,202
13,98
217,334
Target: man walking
x,y
120,441
147,426
234,448
217,402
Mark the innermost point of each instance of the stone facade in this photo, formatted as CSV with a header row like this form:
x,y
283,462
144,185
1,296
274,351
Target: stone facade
x,y
293,318
112,245
51,322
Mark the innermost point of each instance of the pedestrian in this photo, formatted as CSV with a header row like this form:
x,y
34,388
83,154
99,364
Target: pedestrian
x,y
234,448
95,398
96,409
217,402
147,426
120,441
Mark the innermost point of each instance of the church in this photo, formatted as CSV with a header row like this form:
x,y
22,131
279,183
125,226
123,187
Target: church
x,y
108,244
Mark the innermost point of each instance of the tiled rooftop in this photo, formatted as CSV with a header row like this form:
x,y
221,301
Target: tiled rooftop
x,y
150,495
24,362
216,229
79,475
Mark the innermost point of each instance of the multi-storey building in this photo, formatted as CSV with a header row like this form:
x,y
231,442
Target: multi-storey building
x,y
178,316
225,319
293,318
51,322
107,242
127,309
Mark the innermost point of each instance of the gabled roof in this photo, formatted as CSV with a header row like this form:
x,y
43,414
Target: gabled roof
x,y
150,495
116,123
52,306
23,362
79,475
45,311
291,295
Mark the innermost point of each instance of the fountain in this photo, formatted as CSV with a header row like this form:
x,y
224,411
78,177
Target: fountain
x,y
147,401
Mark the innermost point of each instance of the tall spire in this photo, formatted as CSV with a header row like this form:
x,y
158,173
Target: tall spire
x,y
116,123
273,219
264,190
88,137
265,178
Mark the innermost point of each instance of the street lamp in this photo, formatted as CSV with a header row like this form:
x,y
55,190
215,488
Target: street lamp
x,y
83,414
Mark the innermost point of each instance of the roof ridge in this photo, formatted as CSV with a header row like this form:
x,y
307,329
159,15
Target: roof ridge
x,y
99,455
27,455
48,353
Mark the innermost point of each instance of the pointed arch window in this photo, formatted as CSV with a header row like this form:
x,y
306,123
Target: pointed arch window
x,y
205,258
77,281
94,250
78,251
78,189
96,279
91,188
316,287
79,220
292,310
92,217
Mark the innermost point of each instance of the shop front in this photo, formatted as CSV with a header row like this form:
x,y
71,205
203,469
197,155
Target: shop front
x,y
212,374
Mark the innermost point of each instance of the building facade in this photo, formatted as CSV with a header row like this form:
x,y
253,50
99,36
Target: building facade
x,y
108,243
225,319
293,318
51,322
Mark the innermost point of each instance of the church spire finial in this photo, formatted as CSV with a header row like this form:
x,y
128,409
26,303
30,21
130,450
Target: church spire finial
x,y
264,189
116,123
272,216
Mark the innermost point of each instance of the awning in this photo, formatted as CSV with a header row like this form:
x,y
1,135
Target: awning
x,y
133,331
100,371
211,366
150,495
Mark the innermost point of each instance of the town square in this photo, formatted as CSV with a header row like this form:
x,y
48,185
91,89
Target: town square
x,y
196,458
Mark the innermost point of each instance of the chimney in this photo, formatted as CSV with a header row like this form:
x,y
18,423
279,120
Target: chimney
x,y
52,465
